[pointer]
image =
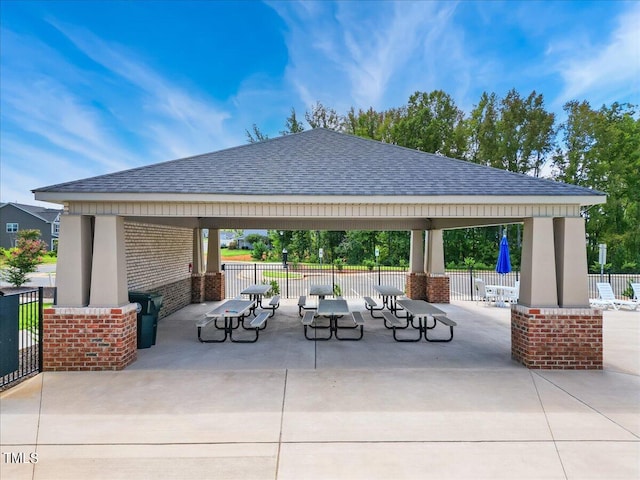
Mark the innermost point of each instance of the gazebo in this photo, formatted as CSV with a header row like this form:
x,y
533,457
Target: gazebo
x,y
141,229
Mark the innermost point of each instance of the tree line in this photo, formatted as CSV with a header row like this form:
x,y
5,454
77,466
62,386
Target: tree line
x,y
597,148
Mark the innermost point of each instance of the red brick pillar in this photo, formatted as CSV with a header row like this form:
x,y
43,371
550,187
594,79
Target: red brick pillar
x,y
557,338
416,286
197,288
437,289
89,338
214,286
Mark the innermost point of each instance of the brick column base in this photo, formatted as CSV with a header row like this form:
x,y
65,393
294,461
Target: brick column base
x,y
557,338
437,289
197,288
416,286
89,338
214,286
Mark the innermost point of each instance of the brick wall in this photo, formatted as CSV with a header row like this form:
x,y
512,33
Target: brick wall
x,y
416,286
197,288
158,260
438,289
89,338
214,286
557,338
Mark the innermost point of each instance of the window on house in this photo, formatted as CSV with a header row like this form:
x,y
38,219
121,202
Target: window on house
x,y
12,227
56,228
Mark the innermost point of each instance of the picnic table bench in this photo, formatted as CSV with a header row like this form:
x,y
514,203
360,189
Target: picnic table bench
x,y
273,305
372,306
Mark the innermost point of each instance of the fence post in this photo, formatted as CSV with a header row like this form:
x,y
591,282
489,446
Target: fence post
x,y
379,276
471,281
333,275
286,272
40,327
255,273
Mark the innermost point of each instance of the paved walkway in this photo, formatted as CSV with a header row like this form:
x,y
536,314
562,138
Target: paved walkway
x,y
286,408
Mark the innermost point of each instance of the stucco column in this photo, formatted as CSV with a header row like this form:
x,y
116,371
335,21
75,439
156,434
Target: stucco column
x,y
73,273
198,254
214,288
416,255
553,326
109,267
437,283
571,262
435,253
198,268
538,286
213,251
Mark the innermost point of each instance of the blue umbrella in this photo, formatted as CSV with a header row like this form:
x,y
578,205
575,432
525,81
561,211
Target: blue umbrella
x,y
504,263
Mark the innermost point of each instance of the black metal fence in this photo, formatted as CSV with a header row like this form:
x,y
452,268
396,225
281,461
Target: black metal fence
x,y
294,280
461,282
620,282
358,281
20,336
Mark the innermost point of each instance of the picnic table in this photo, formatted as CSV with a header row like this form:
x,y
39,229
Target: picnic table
x,y
321,290
232,313
389,295
256,293
419,310
333,309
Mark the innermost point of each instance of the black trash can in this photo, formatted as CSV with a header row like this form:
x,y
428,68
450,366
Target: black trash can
x,y
149,304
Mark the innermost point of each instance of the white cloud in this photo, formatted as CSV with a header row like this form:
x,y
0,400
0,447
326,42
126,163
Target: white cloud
x,y
182,121
86,123
55,115
367,54
605,72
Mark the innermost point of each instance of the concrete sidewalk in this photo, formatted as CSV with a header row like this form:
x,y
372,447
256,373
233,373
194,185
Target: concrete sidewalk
x,y
288,408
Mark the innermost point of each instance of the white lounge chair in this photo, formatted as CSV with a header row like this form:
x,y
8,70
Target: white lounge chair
x,y
484,294
608,298
636,291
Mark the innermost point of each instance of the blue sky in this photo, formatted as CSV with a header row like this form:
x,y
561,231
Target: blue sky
x,y
88,88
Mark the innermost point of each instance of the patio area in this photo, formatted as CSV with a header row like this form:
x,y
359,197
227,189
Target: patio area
x,y
482,338
288,408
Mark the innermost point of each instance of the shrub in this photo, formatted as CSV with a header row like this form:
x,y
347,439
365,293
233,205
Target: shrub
x,y
369,264
275,288
259,251
25,258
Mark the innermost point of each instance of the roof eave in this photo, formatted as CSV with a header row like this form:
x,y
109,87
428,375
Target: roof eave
x,y
66,197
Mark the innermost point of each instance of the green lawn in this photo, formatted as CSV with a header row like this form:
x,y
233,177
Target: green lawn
x,y
237,255
29,316
281,275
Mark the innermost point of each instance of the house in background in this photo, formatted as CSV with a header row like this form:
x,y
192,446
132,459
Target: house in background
x,y
16,216
226,237
240,238
243,243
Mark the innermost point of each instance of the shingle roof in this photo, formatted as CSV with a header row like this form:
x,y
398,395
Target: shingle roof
x,y
47,214
320,162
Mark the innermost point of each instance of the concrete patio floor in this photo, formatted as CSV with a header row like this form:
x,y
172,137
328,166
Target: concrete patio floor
x,y
287,408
